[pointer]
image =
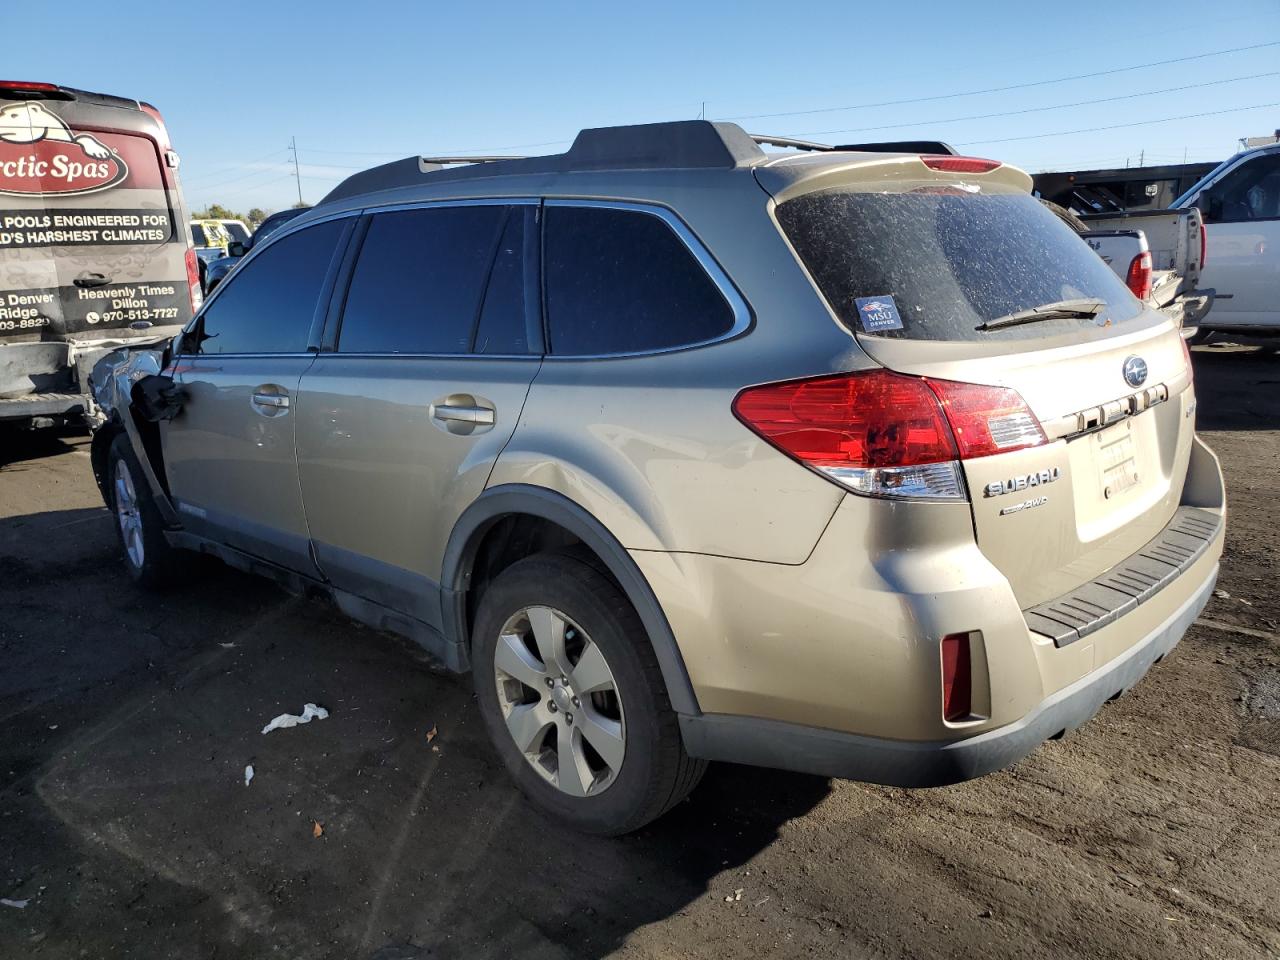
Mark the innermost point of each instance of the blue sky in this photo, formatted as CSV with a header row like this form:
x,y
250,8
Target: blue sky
x,y
360,84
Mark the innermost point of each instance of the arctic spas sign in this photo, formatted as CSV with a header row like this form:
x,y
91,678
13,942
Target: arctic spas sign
x,y
41,155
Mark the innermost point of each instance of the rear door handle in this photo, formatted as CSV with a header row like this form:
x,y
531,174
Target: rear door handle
x,y
451,413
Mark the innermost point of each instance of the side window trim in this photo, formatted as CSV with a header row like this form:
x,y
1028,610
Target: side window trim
x,y
743,318
326,288
333,322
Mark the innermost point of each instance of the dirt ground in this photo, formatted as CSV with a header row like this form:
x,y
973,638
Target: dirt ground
x,y
127,720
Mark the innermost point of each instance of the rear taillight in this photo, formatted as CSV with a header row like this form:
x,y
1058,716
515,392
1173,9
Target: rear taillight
x,y
888,435
957,678
193,280
1138,279
949,164
1204,246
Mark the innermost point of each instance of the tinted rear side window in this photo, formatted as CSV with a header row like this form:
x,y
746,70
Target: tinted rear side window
x,y
949,261
621,281
268,306
416,287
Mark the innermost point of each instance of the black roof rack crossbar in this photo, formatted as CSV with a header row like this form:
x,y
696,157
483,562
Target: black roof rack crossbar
x,y
446,160
790,142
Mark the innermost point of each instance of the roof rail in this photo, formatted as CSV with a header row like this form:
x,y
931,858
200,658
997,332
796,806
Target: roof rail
x,y
679,144
676,145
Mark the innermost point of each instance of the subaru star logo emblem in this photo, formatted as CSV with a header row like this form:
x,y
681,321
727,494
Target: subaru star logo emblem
x,y
1135,371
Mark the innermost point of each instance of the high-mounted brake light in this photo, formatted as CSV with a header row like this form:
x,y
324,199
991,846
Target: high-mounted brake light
x,y
193,280
949,164
884,434
28,85
1138,279
957,677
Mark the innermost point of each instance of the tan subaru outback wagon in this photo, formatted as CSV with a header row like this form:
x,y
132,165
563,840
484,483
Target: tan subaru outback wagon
x,y
848,460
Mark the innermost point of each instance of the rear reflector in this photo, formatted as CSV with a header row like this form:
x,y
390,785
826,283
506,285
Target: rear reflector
x,y
193,280
957,678
1138,279
948,164
888,435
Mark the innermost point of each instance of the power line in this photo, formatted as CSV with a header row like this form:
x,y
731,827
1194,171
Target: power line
x,y
1056,106
1014,86
218,171
1120,126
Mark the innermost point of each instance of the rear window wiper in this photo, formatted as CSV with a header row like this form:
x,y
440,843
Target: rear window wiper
x,y
1083,307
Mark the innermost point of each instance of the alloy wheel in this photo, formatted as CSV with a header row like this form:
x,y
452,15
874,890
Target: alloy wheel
x,y
128,515
560,701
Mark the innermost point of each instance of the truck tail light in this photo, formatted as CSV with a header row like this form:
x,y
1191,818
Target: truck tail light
x,y
957,677
1138,279
1204,245
885,434
949,164
193,279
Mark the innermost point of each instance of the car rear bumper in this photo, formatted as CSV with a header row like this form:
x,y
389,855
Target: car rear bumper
x,y
830,753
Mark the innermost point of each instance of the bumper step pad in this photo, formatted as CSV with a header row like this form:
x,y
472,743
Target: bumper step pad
x,y
1134,580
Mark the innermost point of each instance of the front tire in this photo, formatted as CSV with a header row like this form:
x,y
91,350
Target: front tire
x,y
573,699
148,557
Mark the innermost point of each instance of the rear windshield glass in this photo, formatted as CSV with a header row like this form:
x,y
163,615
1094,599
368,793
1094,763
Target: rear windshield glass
x,y
935,263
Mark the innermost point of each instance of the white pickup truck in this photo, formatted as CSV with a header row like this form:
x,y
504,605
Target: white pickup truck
x,y
1160,254
1237,205
1240,202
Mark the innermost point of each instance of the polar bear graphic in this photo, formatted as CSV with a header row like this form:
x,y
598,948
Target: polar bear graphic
x,y
30,122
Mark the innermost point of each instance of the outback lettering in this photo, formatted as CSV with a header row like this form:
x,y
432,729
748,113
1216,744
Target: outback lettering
x,y
1022,482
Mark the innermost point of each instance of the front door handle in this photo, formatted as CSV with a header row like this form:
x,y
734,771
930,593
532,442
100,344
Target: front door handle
x,y
270,400
453,413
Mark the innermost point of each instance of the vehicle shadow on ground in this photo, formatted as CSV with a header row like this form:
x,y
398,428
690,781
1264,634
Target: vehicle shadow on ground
x,y
424,847
1237,388
21,446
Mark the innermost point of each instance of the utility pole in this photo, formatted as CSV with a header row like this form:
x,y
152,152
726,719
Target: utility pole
x,y
1142,157
703,114
297,176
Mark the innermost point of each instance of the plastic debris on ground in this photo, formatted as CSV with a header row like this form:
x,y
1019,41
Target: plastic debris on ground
x,y
248,774
286,720
317,829
20,904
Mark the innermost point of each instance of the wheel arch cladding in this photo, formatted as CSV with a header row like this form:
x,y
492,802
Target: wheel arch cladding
x,y
524,499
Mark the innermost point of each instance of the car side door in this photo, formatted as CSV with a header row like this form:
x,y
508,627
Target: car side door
x,y
425,369
229,455
1242,230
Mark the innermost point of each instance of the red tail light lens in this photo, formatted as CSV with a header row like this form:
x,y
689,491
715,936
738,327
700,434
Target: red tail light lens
x,y
949,164
957,677
1138,278
987,420
885,434
193,280
1204,246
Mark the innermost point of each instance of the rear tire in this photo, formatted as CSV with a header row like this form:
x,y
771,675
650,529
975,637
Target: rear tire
x,y
562,663
148,557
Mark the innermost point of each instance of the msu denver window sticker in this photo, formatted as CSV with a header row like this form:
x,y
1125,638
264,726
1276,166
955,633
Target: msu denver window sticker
x,y
878,313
